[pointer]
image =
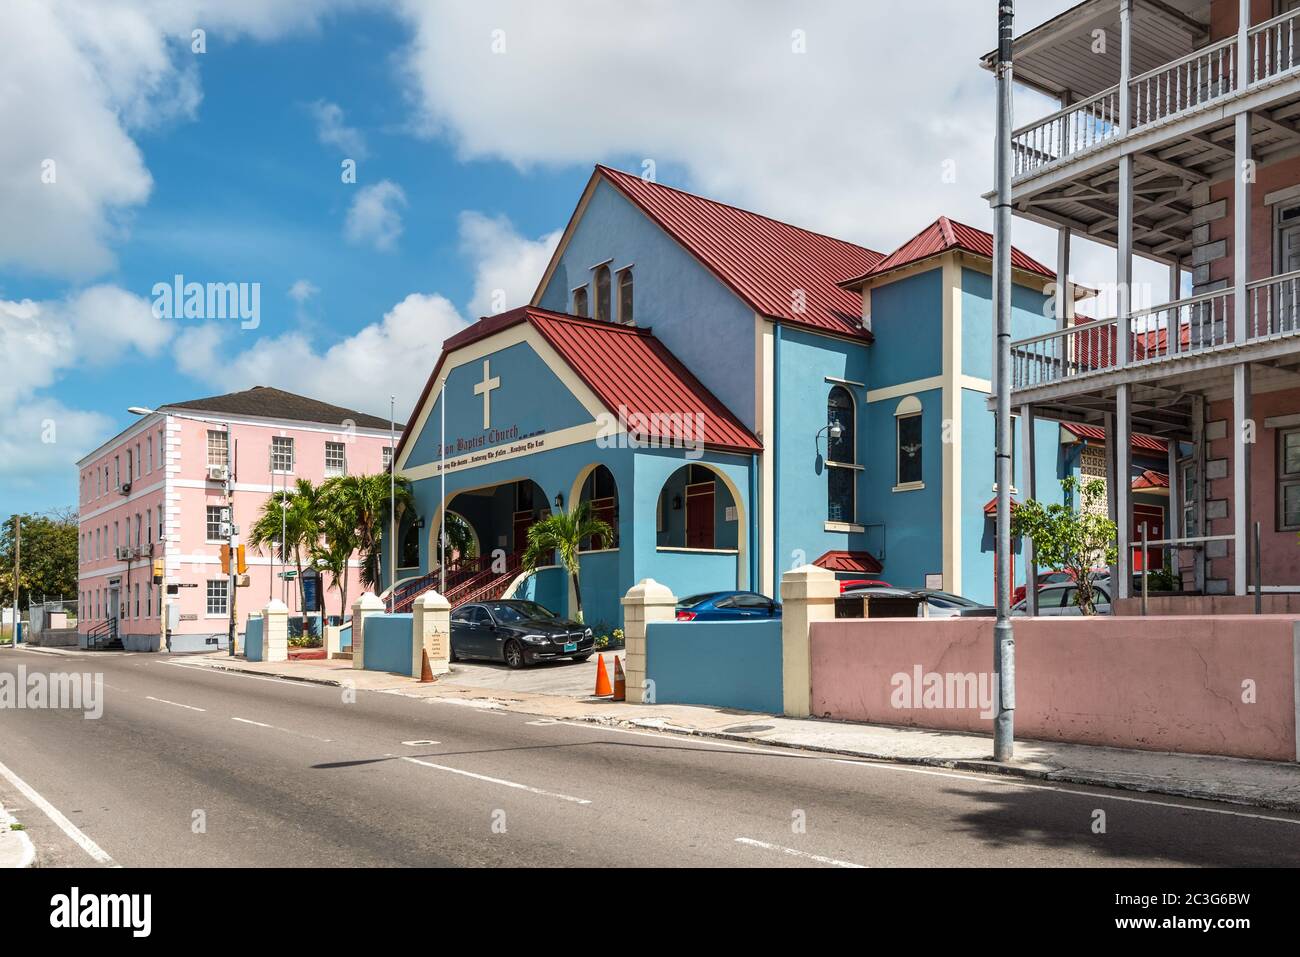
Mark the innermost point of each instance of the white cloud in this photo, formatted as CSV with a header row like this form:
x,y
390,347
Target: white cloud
x,y
39,441
851,137
392,356
509,266
375,216
333,131
80,77
302,290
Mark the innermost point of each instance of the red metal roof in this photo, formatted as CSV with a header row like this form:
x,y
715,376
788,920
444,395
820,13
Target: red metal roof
x,y
939,237
1151,479
771,265
631,370
628,369
1148,443
862,563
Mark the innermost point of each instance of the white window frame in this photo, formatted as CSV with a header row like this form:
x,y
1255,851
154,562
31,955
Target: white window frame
x,y
341,468
908,408
218,448
210,596
281,440
618,295
208,523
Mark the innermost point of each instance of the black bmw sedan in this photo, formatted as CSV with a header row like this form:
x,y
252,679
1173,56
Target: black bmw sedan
x,y
516,632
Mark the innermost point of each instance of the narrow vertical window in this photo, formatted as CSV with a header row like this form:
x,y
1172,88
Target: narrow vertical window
x,y
625,313
602,293
580,302
1288,480
840,456
908,422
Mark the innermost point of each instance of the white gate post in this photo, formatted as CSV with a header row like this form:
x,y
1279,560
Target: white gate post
x,y
368,604
275,631
431,632
808,594
645,602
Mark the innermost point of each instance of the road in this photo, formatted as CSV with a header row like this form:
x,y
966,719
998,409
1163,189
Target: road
x,y
194,767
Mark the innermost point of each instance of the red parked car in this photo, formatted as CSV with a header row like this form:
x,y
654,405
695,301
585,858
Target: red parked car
x,y
862,583
1056,578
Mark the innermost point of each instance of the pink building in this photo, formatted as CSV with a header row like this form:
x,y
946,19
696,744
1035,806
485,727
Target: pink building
x,y
156,490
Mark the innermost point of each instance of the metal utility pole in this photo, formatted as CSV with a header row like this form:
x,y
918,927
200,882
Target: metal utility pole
x,y
442,491
18,550
392,499
233,584
1004,644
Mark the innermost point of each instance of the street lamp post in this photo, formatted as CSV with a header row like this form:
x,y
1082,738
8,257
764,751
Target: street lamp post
x,y
1004,645
18,548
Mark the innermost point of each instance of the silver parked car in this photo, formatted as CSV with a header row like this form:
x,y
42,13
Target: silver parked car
x,y
1059,600
939,604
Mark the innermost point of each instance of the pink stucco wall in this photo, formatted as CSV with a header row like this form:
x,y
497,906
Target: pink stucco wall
x,y
1168,684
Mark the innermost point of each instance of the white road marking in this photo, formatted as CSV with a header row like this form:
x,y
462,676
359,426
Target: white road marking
x,y
501,781
177,704
791,852
703,742
1102,794
300,734
54,814
420,744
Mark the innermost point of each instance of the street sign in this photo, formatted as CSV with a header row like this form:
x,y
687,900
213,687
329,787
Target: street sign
x,y
290,574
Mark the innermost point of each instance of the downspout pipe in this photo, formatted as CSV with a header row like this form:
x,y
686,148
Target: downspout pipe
x,y
776,460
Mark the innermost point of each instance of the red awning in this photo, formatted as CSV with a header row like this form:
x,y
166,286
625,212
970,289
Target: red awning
x,y
991,506
859,563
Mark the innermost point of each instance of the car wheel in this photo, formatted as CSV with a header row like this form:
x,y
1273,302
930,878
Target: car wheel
x,y
581,658
514,654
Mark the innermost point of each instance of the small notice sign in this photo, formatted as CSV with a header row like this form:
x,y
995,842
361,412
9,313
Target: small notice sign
x,y
934,581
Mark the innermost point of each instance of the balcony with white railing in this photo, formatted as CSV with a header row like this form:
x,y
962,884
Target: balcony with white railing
x,y
1206,77
1162,334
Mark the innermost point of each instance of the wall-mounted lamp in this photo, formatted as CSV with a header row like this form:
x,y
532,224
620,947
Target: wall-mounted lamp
x,y
559,500
834,429
677,503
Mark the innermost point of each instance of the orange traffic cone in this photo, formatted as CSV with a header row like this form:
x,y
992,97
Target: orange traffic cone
x,y
620,681
426,673
602,678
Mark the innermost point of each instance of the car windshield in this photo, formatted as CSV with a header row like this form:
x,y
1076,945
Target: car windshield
x,y
948,598
509,612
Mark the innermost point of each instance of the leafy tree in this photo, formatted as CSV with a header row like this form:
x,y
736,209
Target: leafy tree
x,y
564,533
301,525
460,540
362,503
48,557
332,554
1068,540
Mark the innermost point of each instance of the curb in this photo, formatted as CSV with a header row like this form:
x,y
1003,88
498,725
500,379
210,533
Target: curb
x,y
981,766
329,682
26,849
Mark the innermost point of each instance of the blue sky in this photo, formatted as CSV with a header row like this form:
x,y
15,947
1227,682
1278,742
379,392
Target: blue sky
x,y
473,127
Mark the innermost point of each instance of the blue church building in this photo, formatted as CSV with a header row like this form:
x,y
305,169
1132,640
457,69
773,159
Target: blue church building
x,y
736,396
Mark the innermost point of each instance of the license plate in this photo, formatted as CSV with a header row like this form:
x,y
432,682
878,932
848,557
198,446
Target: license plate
x,y
570,646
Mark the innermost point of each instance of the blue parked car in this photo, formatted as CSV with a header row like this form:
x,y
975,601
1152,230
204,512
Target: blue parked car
x,y
727,606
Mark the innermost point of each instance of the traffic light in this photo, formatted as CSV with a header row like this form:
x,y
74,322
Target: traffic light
x,y
241,565
225,559
158,571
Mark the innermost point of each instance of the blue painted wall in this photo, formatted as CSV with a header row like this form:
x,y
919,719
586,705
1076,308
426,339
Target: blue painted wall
x,y
691,312
388,643
1029,317
727,664
907,321
912,519
805,361
253,639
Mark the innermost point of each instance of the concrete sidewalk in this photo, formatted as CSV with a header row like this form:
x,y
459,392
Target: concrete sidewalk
x,y
16,848
1265,784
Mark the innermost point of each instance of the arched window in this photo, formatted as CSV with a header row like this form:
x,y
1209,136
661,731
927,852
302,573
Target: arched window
x,y
625,314
841,454
602,293
908,421
580,302
409,551
600,489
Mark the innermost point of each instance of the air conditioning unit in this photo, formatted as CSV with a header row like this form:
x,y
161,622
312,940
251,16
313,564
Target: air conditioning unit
x,y
218,473
125,488
123,553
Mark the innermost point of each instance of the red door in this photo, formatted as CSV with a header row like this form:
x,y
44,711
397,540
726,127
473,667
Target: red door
x,y
699,515
1154,518
523,522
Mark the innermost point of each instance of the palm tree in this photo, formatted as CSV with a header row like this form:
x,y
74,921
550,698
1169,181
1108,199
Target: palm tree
x,y
300,526
361,502
564,532
332,555
460,540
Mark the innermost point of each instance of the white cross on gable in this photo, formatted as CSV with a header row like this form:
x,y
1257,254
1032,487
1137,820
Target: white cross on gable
x,y
484,389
